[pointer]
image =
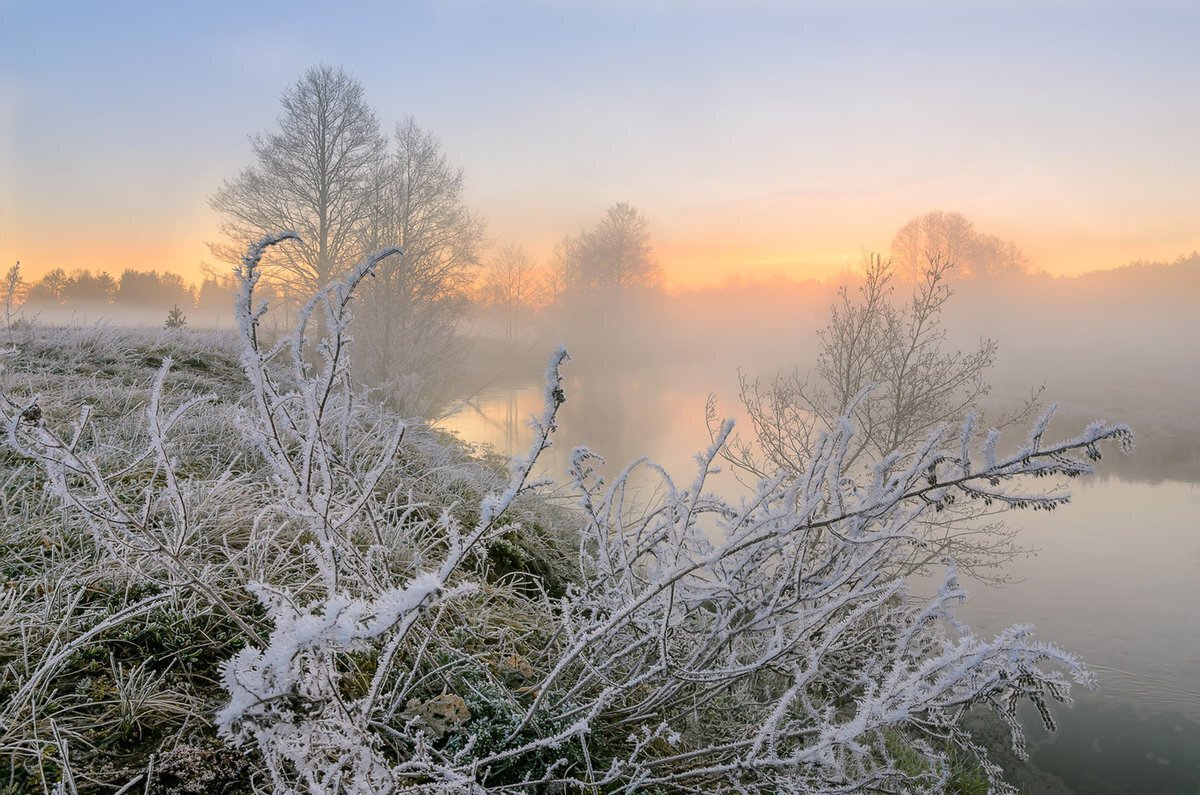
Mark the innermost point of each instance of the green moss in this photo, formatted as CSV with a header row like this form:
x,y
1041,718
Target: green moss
x,y
494,719
967,777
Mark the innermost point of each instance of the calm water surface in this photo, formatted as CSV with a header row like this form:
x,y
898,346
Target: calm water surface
x,y
1115,578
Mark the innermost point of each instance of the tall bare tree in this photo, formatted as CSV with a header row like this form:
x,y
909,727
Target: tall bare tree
x,y
413,307
511,285
950,238
558,269
328,174
314,175
607,272
616,255
946,236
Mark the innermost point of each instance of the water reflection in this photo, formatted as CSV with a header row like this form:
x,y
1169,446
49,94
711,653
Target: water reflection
x,y
1116,575
623,415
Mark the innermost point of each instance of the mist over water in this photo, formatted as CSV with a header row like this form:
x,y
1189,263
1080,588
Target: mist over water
x,y
1114,576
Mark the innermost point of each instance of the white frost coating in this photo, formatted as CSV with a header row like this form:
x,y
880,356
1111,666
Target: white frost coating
x,y
285,693
257,678
794,585
759,646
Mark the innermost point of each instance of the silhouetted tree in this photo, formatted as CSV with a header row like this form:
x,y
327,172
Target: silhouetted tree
x,y
947,236
215,295
327,174
606,271
952,239
314,176
510,285
558,270
152,290
48,289
413,306
993,258
85,287
614,257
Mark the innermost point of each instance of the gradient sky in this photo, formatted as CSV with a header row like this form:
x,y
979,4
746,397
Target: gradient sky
x,y
758,138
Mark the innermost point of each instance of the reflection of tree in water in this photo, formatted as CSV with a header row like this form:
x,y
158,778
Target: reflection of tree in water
x,y
617,412
614,411
494,418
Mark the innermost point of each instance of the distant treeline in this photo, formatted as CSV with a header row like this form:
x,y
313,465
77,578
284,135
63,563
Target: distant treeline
x,y
150,289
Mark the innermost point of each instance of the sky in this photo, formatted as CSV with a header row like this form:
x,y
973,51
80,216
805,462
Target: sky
x,y
758,138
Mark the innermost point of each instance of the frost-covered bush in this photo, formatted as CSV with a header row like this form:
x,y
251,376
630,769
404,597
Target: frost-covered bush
x,y
696,644
109,646
888,365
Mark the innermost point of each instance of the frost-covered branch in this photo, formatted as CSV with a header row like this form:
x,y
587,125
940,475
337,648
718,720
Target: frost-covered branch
x,y
327,483
780,608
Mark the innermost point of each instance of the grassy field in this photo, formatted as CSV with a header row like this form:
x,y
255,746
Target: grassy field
x,y
109,661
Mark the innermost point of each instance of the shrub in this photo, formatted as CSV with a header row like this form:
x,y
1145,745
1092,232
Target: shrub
x,y
176,318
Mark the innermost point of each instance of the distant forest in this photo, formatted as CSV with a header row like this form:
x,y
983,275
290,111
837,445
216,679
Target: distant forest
x,y
152,289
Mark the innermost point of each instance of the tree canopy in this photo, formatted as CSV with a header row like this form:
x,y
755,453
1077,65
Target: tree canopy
x,y
314,175
952,239
613,257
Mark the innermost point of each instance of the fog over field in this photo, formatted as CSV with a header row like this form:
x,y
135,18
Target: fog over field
x,y
602,397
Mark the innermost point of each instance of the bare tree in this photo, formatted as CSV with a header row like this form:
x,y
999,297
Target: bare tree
x,y
951,238
871,342
511,285
413,307
885,366
14,288
314,175
948,236
558,269
615,256
993,258
607,272
328,175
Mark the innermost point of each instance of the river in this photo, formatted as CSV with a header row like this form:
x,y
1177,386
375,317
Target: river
x,y
1115,577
